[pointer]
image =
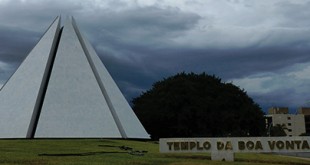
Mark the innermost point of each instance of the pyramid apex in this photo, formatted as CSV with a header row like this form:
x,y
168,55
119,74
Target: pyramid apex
x,y
69,92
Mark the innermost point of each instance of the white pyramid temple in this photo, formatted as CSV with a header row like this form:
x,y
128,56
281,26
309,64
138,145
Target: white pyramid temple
x,y
63,90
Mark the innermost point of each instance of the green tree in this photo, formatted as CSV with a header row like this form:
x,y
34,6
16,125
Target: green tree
x,y
198,105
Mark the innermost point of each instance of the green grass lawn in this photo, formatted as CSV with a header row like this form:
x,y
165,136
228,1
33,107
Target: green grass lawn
x,y
106,151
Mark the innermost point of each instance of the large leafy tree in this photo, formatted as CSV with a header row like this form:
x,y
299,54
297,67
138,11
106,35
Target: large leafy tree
x,y
198,105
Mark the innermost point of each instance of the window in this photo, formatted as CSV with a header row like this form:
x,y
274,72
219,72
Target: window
x,y
288,118
289,124
289,130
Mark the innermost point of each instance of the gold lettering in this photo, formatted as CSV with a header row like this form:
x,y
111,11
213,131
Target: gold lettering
x,y
280,145
250,145
220,145
305,145
192,145
199,147
241,145
271,144
228,146
258,145
298,142
289,145
170,145
184,145
176,146
206,145
247,145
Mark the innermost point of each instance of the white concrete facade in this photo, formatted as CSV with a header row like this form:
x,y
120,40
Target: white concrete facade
x,y
20,97
224,148
79,97
294,123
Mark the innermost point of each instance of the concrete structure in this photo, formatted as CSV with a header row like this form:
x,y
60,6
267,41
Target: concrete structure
x,y
224,148
278,110
306,112
294,124
63,90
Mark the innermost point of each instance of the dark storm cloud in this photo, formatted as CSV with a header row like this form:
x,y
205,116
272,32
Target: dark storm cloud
x,y
123,39
141,44
134,43
34,15
15,43
286,98
139,28
21,26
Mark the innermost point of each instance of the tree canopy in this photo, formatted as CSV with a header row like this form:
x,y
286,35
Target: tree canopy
x,y
198,105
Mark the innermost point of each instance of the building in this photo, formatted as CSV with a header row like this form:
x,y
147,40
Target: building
x,y
63,90
292,124
306,112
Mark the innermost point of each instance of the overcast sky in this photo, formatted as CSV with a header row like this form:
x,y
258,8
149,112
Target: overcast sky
x,y
262,46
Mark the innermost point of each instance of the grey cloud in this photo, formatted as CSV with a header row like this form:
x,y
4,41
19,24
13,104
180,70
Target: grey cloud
x,y
227,63
16,43
139,44
35,14
135,43
141,25
282,97
122,38
294,14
